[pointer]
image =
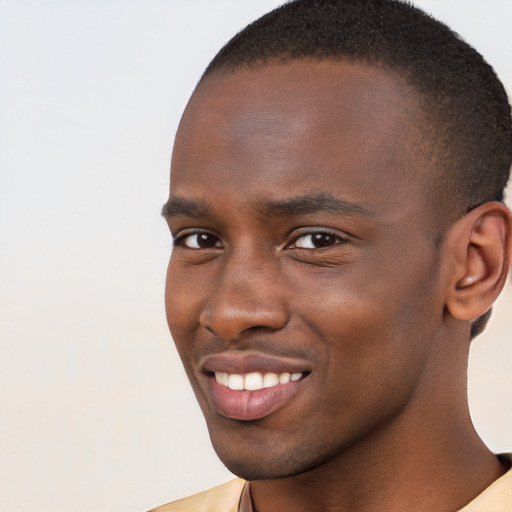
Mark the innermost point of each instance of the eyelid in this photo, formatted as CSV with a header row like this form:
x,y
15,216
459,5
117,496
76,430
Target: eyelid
x,y
341,238
183,234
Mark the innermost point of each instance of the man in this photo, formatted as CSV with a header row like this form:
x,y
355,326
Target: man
x,y
339,238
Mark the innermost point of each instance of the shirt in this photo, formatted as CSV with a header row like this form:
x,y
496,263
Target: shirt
x,y
235,496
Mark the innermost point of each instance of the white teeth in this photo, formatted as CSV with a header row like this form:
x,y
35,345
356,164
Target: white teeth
x,y
255,380
236,382
284,378
270,379
222,378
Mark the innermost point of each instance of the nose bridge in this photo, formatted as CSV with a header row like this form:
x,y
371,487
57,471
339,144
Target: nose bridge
x,y
247,295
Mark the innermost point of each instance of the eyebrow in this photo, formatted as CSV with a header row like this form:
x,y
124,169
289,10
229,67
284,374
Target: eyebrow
x,y
180,206
302,205
314,203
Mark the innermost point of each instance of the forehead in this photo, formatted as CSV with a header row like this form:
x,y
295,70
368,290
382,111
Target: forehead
x,y
300,127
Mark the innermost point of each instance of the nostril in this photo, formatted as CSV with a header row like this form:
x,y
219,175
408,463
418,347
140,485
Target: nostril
x,y
208,328
259,328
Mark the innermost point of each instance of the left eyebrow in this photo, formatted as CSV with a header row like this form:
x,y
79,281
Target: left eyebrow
x,y
315,203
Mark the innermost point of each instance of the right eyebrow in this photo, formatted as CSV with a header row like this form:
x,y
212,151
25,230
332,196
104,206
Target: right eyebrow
x,y
179,206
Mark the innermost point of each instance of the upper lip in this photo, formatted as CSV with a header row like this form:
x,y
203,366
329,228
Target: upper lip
x,y
251,361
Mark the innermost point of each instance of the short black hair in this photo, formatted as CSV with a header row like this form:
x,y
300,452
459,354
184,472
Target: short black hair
x,y
465,101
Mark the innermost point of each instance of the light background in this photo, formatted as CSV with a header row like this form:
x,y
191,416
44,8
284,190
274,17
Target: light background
x,y
95,411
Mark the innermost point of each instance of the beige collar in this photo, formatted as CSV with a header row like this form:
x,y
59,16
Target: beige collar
x,y
496,498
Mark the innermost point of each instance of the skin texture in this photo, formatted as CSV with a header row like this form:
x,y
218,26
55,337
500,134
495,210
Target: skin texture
x,y
378,313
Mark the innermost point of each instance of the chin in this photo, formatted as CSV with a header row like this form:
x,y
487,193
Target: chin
x,y
250,471
266,464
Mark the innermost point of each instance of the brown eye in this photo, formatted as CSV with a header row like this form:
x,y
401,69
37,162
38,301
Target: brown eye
x,y
202,240
317,241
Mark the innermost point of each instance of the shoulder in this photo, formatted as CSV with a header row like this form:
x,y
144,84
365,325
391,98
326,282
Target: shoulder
x,y
498,496
223,498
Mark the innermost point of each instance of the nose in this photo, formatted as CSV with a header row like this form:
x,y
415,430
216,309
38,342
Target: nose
x,y
248,296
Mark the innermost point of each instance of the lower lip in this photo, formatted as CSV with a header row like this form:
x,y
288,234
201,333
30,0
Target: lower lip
x,y
251,405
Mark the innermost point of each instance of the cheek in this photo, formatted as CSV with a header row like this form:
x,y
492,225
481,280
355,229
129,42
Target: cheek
x,y
376,326
181,301
182,314
373,366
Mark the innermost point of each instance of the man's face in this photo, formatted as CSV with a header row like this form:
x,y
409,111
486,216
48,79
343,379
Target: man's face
x,y
304,269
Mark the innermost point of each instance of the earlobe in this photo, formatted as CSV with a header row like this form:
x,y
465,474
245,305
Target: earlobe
x,y
480,248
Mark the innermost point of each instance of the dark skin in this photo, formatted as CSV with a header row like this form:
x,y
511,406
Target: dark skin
x,y
303,232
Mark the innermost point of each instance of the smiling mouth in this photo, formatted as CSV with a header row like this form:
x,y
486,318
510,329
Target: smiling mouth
x,y
252,385
255,381
254,395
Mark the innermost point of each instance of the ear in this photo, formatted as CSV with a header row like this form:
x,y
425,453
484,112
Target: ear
x,y
480,249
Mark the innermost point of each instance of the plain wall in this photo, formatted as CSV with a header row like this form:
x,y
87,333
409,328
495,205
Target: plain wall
x,y
96,412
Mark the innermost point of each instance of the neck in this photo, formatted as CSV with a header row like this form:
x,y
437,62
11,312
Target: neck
x,y
442,470
427,458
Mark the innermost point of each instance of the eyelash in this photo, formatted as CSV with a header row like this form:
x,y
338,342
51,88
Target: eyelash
x,y
337,240
179,240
